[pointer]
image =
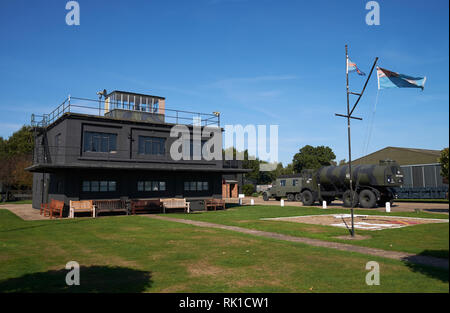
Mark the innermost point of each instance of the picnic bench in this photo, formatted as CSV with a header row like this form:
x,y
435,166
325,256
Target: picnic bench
x,y
175,203
214,203
53,209
110,206
145,205
81,206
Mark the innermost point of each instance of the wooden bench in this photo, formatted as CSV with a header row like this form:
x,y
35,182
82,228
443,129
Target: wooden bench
x,y
214,203
175,203
81,206
52,209
145,205
110,206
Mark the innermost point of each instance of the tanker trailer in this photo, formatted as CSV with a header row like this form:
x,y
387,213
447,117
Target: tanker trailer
x,y
372,184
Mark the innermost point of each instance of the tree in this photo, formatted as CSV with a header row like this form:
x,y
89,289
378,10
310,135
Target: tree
x,y
15,156
3,148
443,159
6,175
280,170
257,176
310,157
20,178
6,170
20,142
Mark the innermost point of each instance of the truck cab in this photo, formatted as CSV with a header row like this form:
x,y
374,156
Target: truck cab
x,y
288,186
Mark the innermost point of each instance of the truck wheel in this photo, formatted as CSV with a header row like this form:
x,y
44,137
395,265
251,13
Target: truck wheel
x,y
290,197
307,197
298,197
367,199
265,196
347,198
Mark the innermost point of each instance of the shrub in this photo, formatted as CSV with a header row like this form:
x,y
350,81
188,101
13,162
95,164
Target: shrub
x,y
248,189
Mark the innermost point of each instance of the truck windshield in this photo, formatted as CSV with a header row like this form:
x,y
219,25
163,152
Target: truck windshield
x,y
395,170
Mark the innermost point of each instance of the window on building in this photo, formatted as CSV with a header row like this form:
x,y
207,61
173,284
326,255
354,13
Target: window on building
x,y
111,185
196,186
151,145
86,186
57,141
60,186
99,142
103,186
198,148
144,105
151,185
98,186
94,186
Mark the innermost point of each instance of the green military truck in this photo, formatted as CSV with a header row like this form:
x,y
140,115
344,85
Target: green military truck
x,y
372,185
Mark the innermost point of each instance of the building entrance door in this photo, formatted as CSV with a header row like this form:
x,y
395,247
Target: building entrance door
x,y
230,189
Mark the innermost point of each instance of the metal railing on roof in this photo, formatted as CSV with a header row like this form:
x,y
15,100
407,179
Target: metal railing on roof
x,y
97,108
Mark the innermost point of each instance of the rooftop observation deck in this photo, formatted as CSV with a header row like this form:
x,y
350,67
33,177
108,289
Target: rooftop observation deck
x,y
127,106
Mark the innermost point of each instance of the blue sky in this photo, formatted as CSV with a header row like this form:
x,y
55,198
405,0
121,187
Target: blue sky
x,y
257,62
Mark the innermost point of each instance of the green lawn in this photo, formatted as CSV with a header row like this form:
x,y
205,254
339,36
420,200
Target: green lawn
x,y
17,202
423,200
426,239
139,254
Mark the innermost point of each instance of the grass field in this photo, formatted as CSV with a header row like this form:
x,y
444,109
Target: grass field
x,y
426,239
17,202
139,254
423,200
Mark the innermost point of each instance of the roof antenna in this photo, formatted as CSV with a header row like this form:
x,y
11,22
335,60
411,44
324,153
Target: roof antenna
x,y
100,95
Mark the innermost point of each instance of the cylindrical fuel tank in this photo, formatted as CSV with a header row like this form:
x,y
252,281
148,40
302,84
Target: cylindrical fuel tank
x,y
370,175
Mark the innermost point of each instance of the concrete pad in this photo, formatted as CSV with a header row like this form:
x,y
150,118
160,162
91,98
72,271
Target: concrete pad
x,y
366,222
24,211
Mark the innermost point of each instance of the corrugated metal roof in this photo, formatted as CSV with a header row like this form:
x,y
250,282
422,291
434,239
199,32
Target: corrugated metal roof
x,y
403,156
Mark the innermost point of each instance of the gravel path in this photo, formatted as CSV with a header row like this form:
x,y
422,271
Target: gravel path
x,y
396,255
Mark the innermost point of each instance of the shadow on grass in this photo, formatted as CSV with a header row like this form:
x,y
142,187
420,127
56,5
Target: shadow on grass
x,y
443,254
231,205
430,263
93,279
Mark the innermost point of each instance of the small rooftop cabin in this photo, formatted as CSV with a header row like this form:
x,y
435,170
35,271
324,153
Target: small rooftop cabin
x,y
120,104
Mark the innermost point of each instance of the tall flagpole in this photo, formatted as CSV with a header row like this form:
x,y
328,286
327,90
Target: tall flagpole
x,y
349,142
349,116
